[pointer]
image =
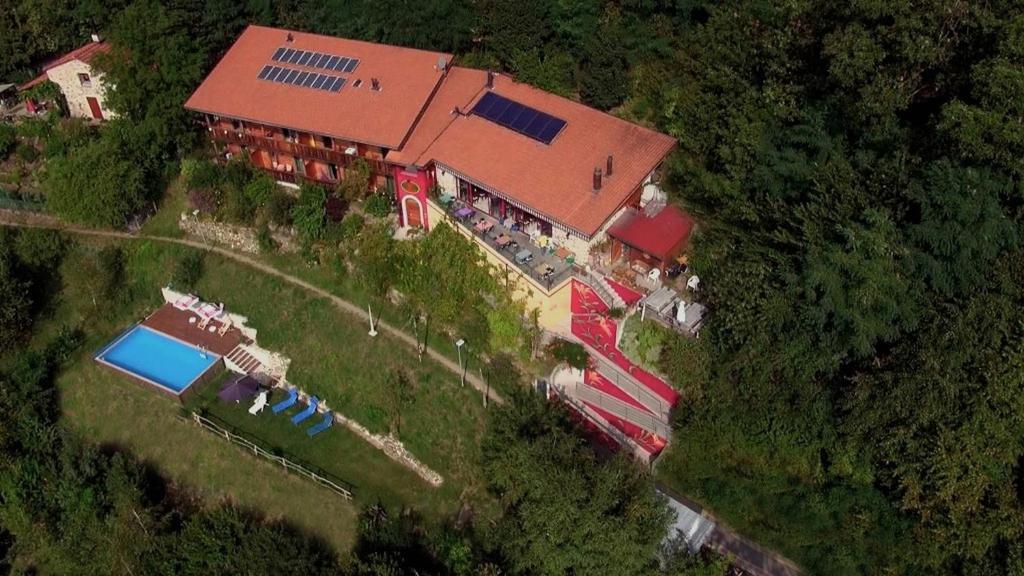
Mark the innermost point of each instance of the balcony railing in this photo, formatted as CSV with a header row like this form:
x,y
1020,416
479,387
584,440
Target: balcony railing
x,y
562,270
295,149
293,178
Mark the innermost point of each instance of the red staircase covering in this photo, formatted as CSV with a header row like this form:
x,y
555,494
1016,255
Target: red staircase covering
x,y
647,440
628,295
595,380
599,332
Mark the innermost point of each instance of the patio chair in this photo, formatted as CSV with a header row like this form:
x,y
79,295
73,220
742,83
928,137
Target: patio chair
x,y
259,404
225,325
307,412
287,403
324,424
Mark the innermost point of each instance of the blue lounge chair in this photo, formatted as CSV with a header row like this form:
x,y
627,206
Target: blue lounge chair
x,y
310,409
287,403
321,426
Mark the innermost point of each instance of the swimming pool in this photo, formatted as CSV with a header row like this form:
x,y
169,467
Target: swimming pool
x,y
158,359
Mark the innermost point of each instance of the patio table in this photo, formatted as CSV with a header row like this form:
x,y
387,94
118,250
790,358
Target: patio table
x,y
484,225
502,240
523,256
563,253
464,213
544,270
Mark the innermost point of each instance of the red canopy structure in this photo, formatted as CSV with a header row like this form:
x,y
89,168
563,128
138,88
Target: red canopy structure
x,y
662,236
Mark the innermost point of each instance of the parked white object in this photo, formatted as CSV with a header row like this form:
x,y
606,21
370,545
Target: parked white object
x,y
259,404
654,275
693,283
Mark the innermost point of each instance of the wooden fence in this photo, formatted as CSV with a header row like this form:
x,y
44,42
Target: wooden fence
x,y
320,477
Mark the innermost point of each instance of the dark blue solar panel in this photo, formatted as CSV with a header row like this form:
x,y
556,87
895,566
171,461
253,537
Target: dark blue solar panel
x,y
295,57
263,73
301,78
550,131
510,114
338,83
485,103
290,79
351,65
320,60
280,75
277,54
514,116
340,64
320,79
524,119
307,57
287,54
309,81
330,62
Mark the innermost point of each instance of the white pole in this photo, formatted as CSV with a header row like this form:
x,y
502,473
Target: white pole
x,y
373,331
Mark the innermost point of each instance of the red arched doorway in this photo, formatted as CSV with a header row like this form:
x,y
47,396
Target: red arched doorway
x,y
413,211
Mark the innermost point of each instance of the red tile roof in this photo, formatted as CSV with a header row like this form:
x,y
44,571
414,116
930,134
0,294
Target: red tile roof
x,y
459,88
83,53
554,180
657,236
407,78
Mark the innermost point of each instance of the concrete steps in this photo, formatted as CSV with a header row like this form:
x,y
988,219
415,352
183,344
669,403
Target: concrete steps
x,y
239,360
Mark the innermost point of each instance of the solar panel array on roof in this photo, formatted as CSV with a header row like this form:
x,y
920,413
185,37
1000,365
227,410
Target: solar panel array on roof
x,y
295,77
315,60
523,119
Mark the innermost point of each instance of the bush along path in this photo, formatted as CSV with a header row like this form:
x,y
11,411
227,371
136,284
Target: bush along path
x,y
36,220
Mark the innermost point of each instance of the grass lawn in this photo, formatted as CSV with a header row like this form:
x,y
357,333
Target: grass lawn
x,y
332,357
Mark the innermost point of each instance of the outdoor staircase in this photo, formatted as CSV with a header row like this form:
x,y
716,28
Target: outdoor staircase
x,y
241,361
601,422
642,418
627,383
605,291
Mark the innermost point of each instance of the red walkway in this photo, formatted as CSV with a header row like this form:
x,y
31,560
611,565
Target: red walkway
x,y
597,381
628,295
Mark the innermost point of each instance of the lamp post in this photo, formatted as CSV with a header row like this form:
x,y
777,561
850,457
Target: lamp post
x,y
458,347
373,329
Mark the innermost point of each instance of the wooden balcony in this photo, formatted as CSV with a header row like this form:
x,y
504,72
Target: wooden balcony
x,y
293,178
331,156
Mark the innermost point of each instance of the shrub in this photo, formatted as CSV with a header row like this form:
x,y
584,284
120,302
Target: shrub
x,y
571,353
236,206
188,270
206,200
260,189
279,208
202,174
308,212
377,205
238,173
8,137
265,239
68,136
336,207
351,226
27,153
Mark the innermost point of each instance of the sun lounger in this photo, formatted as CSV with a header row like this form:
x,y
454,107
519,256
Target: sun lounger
x,y
310,409
324,424
259,404
225,325
286,403
186,302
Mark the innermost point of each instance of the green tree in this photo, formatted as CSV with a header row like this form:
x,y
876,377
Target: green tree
x,y
309,212
95,186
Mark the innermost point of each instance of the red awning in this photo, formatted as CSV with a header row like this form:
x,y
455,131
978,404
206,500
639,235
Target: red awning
x,y
659,236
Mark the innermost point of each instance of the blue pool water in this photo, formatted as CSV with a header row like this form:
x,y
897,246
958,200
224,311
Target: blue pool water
x,y
158,358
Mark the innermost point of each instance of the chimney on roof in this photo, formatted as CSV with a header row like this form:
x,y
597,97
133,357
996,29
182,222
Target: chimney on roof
x,y
289,38
375,84
490,79
597,179
441,63
457,111
96,38
608,167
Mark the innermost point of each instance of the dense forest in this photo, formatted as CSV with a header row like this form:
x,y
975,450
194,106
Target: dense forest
x,y
857,398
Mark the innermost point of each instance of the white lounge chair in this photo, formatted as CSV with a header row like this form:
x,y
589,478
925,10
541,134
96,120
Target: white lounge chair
x,y
259,404
186,302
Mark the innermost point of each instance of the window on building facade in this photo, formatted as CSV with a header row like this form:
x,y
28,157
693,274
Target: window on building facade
x,y
328,142
300,167
236,124
85,80
332,169
289,135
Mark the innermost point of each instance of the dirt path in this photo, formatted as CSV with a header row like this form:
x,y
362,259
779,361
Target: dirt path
x,y
34,220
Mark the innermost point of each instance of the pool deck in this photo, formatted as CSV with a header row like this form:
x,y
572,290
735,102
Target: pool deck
x,y
174,322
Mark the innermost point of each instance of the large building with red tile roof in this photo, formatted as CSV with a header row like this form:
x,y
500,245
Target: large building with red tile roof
x,y
536,178
79,82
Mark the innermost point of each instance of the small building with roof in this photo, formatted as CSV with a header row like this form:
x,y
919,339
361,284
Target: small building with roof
x,y
79,82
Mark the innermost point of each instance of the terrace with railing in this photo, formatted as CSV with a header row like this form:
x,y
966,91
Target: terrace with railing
x,y
547,266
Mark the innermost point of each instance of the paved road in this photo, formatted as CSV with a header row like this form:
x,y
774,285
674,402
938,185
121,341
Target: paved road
x,y
23,220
